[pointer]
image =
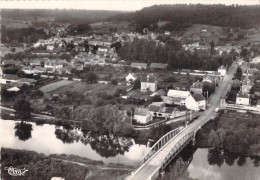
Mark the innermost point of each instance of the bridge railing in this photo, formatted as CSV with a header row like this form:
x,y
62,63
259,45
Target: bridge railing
x,y
179,146
161,142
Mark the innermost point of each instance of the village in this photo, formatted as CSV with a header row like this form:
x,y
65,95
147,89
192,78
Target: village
x,y
159,94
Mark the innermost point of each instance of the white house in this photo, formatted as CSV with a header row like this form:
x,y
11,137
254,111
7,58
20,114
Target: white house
x,y
7,78
14,89
39,43
196,103
142,115
139,65
176,97
243,98
53,65
256,60
50,47
222,70
28,70
149,83
131,77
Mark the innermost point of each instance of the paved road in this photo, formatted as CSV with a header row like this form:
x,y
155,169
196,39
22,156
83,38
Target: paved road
x,y
34,114
157,159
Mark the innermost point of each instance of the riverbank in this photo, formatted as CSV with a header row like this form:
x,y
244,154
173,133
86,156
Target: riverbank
x,y
232,131
60,165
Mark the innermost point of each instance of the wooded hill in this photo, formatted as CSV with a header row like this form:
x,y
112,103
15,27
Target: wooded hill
x,y
178,17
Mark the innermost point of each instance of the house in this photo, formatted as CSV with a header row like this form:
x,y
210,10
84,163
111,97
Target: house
x,y
130,77
39,43
160,92
39,69
167,33
139,65
142,115
13,89
155,108
149,83
50,47
176,97
10,62
243,98
8,78
256,60
28,70
27,81
258,104
79,49
158,66
179,111
246,85
222,70
53,65
196,102
102,49
256,88
196,88
35,62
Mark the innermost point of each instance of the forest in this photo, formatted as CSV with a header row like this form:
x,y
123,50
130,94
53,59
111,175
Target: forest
x,y
147,51
179,17
39,166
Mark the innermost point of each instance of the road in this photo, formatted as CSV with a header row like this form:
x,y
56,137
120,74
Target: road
x,y
155,161
34,114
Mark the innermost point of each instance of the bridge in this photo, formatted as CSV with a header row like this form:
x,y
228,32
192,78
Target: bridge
x,y
167,147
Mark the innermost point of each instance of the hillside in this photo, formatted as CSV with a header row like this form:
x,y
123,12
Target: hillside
x,y
179,17
60,16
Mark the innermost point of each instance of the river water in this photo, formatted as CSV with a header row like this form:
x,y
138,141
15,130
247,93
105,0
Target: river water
x,y
192,163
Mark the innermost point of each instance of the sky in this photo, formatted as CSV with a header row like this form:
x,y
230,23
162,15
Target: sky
x,y
121,5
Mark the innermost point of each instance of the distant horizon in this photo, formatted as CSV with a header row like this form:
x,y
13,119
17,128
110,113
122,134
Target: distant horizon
x,y
112,5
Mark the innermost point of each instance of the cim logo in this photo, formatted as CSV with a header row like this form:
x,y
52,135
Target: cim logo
x,y
15,171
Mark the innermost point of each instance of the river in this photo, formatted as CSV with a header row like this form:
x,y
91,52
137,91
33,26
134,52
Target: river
x,y
192,163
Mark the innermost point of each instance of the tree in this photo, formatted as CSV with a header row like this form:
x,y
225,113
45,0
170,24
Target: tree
x,y
91,77
12,49
23,130
137,84
156,98
23,109
216,138
212,46
208,88
114,82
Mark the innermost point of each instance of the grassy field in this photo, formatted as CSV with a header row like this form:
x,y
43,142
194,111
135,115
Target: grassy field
x,y
86,88
55,85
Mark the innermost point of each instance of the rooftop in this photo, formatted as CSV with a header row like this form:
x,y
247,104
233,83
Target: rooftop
x,y
141,111
158,65
199,97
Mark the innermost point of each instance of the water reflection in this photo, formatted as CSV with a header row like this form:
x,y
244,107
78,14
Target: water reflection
x,y
215,157
200,164
104,145
179,165
23,130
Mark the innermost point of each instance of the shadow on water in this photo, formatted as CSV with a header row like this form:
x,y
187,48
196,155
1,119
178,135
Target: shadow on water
x,y
23,130
105,145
